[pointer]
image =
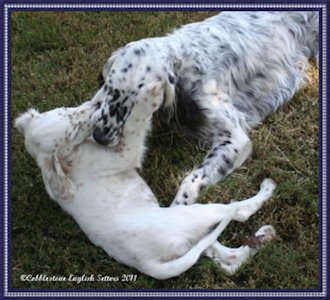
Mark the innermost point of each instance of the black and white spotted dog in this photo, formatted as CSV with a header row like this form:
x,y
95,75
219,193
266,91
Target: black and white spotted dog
x,y
220,78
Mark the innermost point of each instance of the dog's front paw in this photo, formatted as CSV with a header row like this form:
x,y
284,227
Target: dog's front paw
x,y
184,197
189,190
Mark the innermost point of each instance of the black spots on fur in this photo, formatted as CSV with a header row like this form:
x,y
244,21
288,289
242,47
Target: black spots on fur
x,y
239,32
260,75
118,111
227,161
148,68
110,89
225,143
98,104
104,117
235,150
223,47
121,113
116,94
112,110
140,85
125,70
139,51
215,37
222,171
106,130
194,178
254,16
185,195
204,164
210,156
227,133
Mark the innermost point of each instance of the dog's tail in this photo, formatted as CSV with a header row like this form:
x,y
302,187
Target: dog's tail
x,y
175,267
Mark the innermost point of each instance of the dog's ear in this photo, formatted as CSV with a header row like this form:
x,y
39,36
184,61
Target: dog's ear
x,y
23,121
58,185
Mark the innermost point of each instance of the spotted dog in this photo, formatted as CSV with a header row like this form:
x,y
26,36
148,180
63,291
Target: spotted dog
x,y
220,78
101,189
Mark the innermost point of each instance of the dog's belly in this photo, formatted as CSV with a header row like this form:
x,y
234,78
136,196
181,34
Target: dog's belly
x,y
97,203
121,214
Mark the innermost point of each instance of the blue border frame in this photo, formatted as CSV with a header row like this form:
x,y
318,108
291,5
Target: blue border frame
x,y
6,7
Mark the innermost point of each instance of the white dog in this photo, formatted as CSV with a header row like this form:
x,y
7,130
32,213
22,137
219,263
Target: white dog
x,y
100,188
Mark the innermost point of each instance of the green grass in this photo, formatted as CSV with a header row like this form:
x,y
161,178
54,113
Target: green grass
x,y
56,59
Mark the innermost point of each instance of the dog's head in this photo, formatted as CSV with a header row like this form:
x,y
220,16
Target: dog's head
x,y
50,138
131,76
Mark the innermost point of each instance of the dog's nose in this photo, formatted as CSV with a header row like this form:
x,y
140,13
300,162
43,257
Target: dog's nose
x,y
99,137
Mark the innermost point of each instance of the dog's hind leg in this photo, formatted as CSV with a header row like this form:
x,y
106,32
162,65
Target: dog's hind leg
x,y
239,211
230,259
165,270
248,207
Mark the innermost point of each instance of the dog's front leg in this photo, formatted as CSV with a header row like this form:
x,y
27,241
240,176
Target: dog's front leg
x,y
227,154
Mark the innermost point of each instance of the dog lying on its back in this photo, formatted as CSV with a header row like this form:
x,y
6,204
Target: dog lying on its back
x,y
100,188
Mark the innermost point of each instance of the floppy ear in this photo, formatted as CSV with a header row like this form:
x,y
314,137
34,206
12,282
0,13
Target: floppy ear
x,y
25,119
58,185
